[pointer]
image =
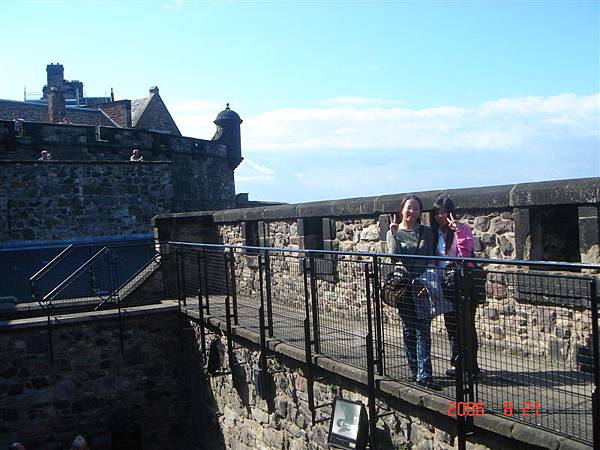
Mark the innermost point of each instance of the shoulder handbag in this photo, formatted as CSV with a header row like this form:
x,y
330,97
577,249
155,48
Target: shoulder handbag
x,y
476,290
398,282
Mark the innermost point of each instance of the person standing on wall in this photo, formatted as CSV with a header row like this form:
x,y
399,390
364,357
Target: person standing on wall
x,y
455,239
136,156
45,156
410,237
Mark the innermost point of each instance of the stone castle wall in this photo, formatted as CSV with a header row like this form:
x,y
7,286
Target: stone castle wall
x,y
52,200
281,419
506,225
91,189
91,388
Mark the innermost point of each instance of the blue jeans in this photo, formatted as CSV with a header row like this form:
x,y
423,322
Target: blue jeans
x,y
417,346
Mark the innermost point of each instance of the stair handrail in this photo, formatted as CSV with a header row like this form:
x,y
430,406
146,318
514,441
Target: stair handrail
x,y
115,292
36,276
58,289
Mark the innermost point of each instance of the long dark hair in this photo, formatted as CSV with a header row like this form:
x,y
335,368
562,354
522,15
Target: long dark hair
x,y
407,198
446,204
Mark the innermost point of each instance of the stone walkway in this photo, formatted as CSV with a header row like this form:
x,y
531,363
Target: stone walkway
x,y
563,396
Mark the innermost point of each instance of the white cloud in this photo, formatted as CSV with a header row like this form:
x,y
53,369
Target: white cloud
x,y
353,148
354,123
505,124
248,170
353,101
173,5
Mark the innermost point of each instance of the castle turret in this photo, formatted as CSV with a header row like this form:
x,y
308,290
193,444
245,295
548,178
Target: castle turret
x,y
228,132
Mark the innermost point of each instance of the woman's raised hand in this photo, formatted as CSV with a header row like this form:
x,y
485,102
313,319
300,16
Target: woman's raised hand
x,y
452,222
394,224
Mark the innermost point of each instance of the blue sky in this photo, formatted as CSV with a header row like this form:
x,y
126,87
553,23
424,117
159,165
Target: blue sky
x,y
342,99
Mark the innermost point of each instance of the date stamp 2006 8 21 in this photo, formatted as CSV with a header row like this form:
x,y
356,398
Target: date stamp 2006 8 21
x,y
510,409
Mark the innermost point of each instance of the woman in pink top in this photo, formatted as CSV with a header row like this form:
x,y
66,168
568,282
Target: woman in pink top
x,y
452,238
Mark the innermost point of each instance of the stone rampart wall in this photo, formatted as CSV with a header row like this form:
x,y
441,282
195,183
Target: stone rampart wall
x,y
51,200
92,389
508,222
78,142
281,419
91,189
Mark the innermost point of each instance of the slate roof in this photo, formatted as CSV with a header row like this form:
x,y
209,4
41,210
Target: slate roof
x,y
158,118
37,112
138,106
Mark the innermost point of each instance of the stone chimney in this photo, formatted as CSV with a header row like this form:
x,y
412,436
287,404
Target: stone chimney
x,y
56,105
55,74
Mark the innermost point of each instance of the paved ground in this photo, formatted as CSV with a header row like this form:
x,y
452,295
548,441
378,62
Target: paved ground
x,y
563,395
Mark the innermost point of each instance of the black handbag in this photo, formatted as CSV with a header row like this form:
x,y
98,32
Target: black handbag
x,y
476,291
397,283
395,287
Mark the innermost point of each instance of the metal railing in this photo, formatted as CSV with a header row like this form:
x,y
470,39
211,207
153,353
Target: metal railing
x,y
101,282
130,257
524,347
36,278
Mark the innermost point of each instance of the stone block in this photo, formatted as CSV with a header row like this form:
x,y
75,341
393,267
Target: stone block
x,y
500,226
506,246
489,239
273,439
371,233
482,223
535,436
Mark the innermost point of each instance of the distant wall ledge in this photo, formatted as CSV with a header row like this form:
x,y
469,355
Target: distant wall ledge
x,y
79,161
583,191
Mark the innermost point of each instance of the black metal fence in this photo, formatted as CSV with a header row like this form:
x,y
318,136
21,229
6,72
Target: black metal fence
x,y
99,282
82,271
517,339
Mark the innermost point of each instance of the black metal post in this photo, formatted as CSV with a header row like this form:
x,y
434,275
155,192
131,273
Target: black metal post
x,y
177,278
370,363
183,284
202,333
206,281
262,362
461,429
228,325
261,287
269,298
371,389
112,273
378,313
596,359
307,344
50,346
315,305
468,319
179,283
34,293
200,282
233,286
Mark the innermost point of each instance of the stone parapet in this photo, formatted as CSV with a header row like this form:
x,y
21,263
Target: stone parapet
x,y
554,220
90,387
414,418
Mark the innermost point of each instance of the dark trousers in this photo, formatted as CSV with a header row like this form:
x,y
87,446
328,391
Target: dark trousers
x,y
450,320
